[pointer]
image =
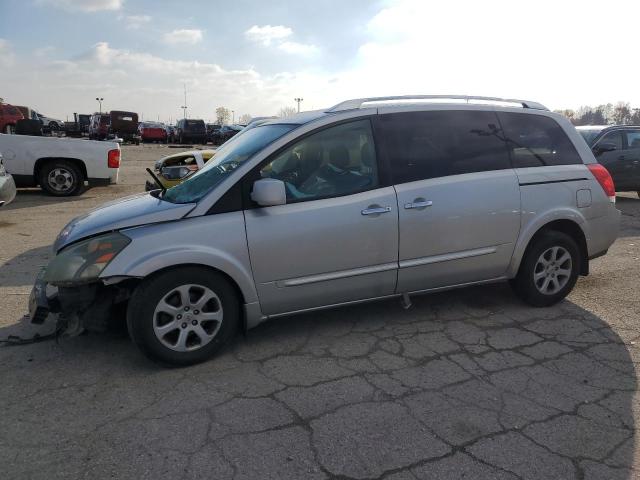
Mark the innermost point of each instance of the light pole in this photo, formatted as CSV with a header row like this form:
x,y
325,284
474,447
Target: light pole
x,y
100,99
298,100
184,107
233,117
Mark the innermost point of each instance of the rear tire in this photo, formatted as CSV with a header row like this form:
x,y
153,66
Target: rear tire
x,y
61,178
172,329
10,129
549,269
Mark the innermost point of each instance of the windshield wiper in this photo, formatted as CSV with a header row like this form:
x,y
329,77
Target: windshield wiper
x,y
155,179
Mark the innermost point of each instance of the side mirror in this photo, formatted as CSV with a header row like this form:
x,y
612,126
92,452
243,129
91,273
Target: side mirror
x,y
268,192
605,147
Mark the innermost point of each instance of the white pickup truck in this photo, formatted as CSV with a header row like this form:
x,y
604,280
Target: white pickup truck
x,y
61,166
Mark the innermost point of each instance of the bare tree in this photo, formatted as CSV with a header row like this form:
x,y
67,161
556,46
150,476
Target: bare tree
x,y
287,112
223,115
635,117
244,119
570,114
622,113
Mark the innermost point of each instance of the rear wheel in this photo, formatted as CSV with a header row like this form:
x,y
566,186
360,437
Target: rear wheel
x,y
61,178
10,129
183,316
549,269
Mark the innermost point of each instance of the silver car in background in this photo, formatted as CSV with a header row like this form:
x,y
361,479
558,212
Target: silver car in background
x,y
7,185
372,198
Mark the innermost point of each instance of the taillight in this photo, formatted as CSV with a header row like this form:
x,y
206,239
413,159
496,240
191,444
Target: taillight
x,y
113,158
604,179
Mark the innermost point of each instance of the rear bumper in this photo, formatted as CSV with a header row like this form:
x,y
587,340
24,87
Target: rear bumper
x,y
602,232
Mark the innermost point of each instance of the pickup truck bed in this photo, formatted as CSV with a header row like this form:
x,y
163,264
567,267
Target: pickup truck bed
x,y
61,166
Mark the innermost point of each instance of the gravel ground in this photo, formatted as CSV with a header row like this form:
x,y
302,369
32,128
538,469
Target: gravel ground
x,y
467,384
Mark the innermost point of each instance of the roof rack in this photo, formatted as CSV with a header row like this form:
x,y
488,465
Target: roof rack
x,y
358,102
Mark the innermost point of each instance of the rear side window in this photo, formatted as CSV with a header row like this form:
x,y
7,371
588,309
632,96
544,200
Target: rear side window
x,y
422,145
633,139
537,141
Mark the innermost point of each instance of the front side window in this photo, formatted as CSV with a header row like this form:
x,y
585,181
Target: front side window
x,y
227,159
633,139
536,141
336,161
423,145
613,138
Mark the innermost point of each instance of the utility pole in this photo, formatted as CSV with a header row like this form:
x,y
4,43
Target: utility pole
x,y
100,99
298,100
184,107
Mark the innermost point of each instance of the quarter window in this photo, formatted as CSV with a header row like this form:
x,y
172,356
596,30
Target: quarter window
x,y
536,140
422,145
336,161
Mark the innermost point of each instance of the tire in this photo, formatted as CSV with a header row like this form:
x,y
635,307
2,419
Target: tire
x,y
9,129
61,178
160,334
541,284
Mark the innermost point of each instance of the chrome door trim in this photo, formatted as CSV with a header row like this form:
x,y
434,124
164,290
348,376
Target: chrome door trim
x,y
323,277
414,262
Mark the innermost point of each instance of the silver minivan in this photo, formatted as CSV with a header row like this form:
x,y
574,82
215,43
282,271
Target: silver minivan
x,y
370,199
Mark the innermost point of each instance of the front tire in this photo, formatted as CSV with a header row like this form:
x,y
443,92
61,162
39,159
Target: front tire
x,y
61,178
549,269
183,316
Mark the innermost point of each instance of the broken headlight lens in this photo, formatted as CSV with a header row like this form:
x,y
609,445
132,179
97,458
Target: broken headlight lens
x,y
83,262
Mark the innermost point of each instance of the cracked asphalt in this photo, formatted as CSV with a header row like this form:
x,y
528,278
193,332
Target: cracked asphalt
x,y
467,384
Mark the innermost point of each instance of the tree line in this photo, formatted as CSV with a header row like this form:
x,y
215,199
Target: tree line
x,y
619,114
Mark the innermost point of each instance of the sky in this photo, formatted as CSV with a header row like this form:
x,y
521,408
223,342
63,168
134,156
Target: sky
x,y
255,56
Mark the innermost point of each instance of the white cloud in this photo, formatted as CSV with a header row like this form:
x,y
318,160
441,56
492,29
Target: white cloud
x,y
267,33
6,53
134,22
298,48
183,36
44,51
278,35
84,5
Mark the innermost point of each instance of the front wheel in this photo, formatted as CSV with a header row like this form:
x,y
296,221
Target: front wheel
x,y
549,269
183,316
61,178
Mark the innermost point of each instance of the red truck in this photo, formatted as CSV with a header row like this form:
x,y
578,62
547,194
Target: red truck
x,y
152,132
9,115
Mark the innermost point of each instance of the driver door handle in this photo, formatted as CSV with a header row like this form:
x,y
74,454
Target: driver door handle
x,y
375,210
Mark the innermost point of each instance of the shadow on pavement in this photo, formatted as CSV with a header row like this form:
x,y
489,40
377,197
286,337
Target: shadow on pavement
x,y
466,384
22,269
28,198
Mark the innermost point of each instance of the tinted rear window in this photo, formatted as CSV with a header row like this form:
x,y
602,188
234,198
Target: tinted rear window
x,y
535,141
423,145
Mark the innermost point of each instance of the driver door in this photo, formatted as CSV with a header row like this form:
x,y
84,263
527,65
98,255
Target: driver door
x,y
336,238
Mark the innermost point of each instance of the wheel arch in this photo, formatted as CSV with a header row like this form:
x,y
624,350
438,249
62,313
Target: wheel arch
x,y
242,299
42,161
569,226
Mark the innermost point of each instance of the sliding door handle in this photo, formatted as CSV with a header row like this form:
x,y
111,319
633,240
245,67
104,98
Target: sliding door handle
x,y
375,210
418,203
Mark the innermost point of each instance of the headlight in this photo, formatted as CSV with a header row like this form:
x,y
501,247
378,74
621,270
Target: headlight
x,y
83,262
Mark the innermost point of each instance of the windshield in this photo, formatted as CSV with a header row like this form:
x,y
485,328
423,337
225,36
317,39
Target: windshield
x,y
226,159
589,134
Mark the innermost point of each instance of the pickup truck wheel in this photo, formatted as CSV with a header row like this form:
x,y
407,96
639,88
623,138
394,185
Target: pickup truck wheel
x,y
549,269
61,178
183,316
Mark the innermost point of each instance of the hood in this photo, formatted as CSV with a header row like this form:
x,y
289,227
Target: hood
x,y
140,209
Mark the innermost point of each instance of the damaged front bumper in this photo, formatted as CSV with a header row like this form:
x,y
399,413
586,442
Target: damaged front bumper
x,y
80,307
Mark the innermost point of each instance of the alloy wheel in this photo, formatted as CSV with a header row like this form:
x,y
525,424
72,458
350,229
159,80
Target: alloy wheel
x,y
552,270
187,318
